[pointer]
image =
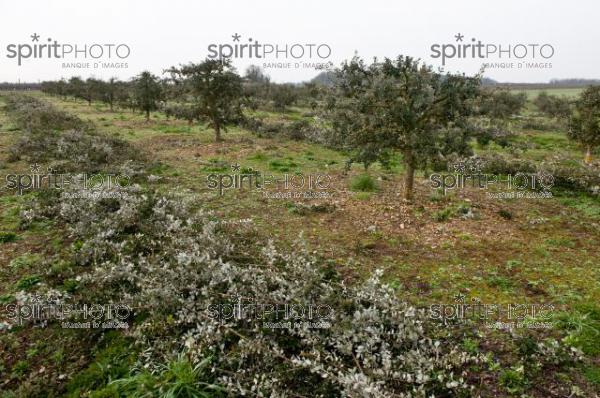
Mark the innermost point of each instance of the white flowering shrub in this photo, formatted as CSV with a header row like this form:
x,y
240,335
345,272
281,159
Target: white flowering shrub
x,y
172,261
573,176
33,115
52,135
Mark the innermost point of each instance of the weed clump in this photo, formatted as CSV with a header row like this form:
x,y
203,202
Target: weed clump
x,y
363,183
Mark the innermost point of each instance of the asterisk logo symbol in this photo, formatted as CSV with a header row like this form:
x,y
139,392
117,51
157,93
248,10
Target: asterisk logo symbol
x,y
459,167
459,298
236,37
459,37
36,298
235,167
35,37
35,168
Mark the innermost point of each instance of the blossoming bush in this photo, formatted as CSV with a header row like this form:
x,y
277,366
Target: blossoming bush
x,y
171,262
572,175
72,144
34,115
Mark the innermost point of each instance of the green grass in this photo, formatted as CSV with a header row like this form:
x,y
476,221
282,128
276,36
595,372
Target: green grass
x,y
363,183
588,206
179,378
216,166
592,373
283,165
112,360
501,257
567,92
28,282
6,237
582,326
25,261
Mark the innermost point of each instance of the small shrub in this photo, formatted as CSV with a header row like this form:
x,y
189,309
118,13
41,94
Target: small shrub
x,y
6,298
553,106
443,215
539,124
507,215
465,211
500,282
253,124
363,183
20,368
28,282
513,380
283,96
297,130
498,164
438,196
6,237
575,177
70,285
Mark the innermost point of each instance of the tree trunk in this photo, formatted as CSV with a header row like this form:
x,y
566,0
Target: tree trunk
x,y
147,115
409,177
588,155
218,133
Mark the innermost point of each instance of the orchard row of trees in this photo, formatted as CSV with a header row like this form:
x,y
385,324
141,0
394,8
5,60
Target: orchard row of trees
x,y
211,91
581,114
373,110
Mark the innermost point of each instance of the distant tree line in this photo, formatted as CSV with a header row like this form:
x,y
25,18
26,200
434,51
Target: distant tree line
x,y
372,111
210,92
19,86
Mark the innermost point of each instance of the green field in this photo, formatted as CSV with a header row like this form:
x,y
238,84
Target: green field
x,y
567,92
462,242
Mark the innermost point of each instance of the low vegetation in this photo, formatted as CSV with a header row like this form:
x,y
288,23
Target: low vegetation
x,y
182,256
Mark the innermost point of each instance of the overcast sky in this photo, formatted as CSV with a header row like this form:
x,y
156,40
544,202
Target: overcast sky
x,y
160,34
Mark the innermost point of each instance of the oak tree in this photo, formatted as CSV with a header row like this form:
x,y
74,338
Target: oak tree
x,y
148,92
401,105
584,126
215,89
